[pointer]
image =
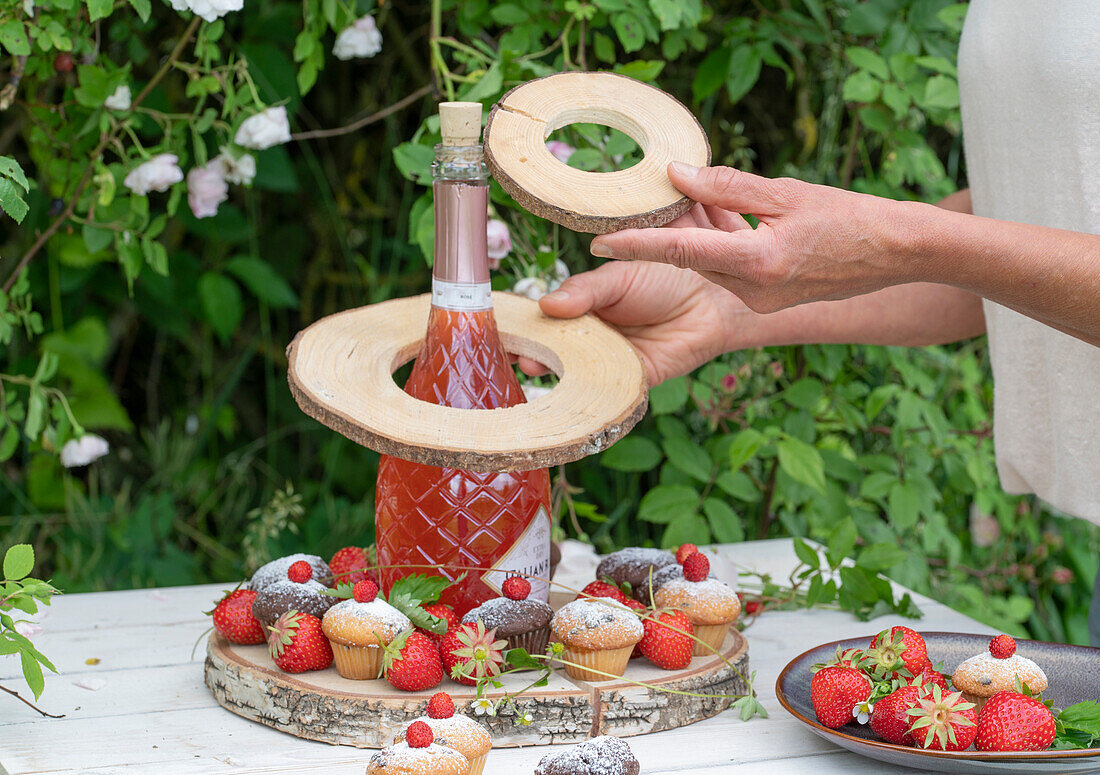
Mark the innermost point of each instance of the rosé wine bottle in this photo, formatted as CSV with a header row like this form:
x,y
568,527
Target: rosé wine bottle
x,y
443,516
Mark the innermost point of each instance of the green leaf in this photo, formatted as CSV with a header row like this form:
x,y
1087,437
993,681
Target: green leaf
x,y
143,8
723,520
744,447
744,71
866,59
603,47
32,673
221,303
414,161
904,505
880,557
13,37
99,9
634,453
421,587
806,555
18,562
488,86
805,393
861,86
630,31
941,91
9,442
842,540
10,168
11,201
509,14
690,529
670,396
519,658
688,457
264,282
642,69
712,73
802,462
739,485
868,18
668,502
95,238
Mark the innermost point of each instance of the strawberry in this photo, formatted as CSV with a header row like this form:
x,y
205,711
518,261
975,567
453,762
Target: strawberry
x,y
448,644
696,567
440,611
930,677
297,643
411,662
634,605
470,652
349,566
233,618
1011,721
419,735
300,572
603,589
834,691
1002,647
667,640
895,653
364,591
685,551
441,706
843,658
516,588
943,721
890,717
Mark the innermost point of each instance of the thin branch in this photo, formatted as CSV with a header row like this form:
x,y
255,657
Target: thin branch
x,y
28,703
423,91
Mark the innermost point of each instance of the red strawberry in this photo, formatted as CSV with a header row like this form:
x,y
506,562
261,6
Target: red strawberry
x,y
1011,721
233,618
603,589
896,653
411,662
448,644
843,658
930,677
470,652
516,588
1002,647
349,566
943,721
419,735
297,643
834,691
696,567
440,611
300,572
685,551
364,591
667,641
441,706
634,605
890,717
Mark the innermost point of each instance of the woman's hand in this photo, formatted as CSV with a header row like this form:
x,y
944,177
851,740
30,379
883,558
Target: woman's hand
x,y
813,242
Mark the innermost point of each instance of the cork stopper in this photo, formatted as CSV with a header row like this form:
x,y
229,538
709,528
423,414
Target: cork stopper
x,y
460,123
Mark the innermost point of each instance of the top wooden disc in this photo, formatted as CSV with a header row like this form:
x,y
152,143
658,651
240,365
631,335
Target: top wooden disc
x,y
341,373
595,202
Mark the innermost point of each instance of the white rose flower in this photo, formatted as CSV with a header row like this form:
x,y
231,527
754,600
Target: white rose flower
x,y
358,41
238,170
119,100
533,288
158,174
498,239
206,188
82,451
265,129
209,10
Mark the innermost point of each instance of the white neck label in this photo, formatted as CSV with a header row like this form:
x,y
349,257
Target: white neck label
x,y
461,296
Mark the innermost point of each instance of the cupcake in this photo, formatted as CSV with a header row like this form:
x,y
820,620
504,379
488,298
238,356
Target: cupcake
x,y
359,628
298,590
461,733
633,566
996,670
523,622
598,635
418,755
275,571
602,755
711,605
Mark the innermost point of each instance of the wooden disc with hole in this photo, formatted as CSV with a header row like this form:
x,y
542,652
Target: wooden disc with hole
x,y
367,714
595,202
341,373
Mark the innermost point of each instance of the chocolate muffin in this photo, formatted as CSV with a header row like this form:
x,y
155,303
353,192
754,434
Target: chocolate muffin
x,y
524,623
276,571
632,566
277,598
602,755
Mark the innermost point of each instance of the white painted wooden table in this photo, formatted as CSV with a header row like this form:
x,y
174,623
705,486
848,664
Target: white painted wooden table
x,y
151,712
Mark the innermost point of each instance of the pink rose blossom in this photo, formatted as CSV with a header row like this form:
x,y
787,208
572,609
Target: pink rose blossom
x,y
160,173
206,188
729,383
498,239
561,151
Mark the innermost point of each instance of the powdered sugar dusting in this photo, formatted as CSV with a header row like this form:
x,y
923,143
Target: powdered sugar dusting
x,y
705,602
597,623
378,614
500,611
461,733
400,757
286,595
602,755
632,559
276,570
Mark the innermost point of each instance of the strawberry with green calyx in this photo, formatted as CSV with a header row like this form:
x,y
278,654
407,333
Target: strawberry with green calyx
x,y
439,611
667,641
411,662
470,653
890,717
943,721
350,565
604,587
1013,721
835,692
895,653
844,658
297,644
931,676
233,618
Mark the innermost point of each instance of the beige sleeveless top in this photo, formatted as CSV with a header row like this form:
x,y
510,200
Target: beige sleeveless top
x,y
1029,80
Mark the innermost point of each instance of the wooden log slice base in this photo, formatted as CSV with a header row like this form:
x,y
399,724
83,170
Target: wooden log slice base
x,y
595,202
341,373
367,714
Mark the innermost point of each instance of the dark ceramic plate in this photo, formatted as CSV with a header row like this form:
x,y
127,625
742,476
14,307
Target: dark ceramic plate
x,y
1073,672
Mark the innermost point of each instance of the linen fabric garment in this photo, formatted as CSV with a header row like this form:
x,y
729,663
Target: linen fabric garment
x,y
1029,82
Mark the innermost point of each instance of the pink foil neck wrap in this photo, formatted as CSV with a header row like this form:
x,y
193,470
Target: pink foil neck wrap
x,y
461,255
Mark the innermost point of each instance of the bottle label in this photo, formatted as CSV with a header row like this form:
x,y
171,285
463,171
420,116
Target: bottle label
x,y
530,554
461,296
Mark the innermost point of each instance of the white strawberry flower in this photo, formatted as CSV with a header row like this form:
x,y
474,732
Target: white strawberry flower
x,y
209,10
27,629
862,711
160,173
267,128
526,719
120,99
483,706
359,41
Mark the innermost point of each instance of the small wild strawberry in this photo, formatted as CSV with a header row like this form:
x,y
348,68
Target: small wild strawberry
x,y
516,588
300,572
441,706
364,591
696,567
685,551
419,735
1002,647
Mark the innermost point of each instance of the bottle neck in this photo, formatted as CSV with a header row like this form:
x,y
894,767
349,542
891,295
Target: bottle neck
x,y
460,271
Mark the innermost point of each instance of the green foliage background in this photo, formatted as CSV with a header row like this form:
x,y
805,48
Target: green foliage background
x,y
178,358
